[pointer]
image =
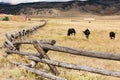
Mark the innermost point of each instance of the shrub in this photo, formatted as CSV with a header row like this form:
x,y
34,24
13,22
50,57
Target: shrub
x,y
5,19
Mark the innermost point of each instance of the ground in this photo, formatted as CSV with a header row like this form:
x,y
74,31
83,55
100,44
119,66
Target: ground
x,y
56,29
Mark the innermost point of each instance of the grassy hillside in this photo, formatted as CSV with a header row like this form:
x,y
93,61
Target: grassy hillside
x,y
57,29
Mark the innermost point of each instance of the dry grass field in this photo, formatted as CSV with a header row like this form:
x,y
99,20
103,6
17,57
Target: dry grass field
x,y
13,17
56,29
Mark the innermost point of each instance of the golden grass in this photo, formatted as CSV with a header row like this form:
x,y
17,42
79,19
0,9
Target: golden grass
x,y
99,41
56,29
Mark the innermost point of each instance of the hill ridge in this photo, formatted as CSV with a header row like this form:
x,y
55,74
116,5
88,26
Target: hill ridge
x,y
70,8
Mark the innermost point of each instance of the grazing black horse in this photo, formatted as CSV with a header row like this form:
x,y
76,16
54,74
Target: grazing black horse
x,y
87,33
71,31
112,35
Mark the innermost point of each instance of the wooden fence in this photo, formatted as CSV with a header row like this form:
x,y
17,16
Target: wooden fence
x,y
13,44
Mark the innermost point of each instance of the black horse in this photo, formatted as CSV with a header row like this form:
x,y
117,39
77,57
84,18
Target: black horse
x,y
71,31
87,33
112,35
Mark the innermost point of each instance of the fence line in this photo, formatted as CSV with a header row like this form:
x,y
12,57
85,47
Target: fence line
x,y
41,56
14,42
20,34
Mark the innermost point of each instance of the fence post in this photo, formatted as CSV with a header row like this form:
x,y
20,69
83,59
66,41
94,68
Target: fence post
x,y
37,46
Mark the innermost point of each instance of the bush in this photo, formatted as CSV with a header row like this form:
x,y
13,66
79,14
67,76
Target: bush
x,y
5,19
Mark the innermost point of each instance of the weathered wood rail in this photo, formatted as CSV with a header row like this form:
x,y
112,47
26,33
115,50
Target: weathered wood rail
x,y
14,42
100,55
76,67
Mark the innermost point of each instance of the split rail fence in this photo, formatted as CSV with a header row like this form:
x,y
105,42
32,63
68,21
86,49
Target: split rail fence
x,y
14,42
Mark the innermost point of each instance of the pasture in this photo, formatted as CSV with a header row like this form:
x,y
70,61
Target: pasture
x,y
13,17
56,29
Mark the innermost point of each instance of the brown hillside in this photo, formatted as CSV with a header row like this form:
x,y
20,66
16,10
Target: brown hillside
x,y
71,8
